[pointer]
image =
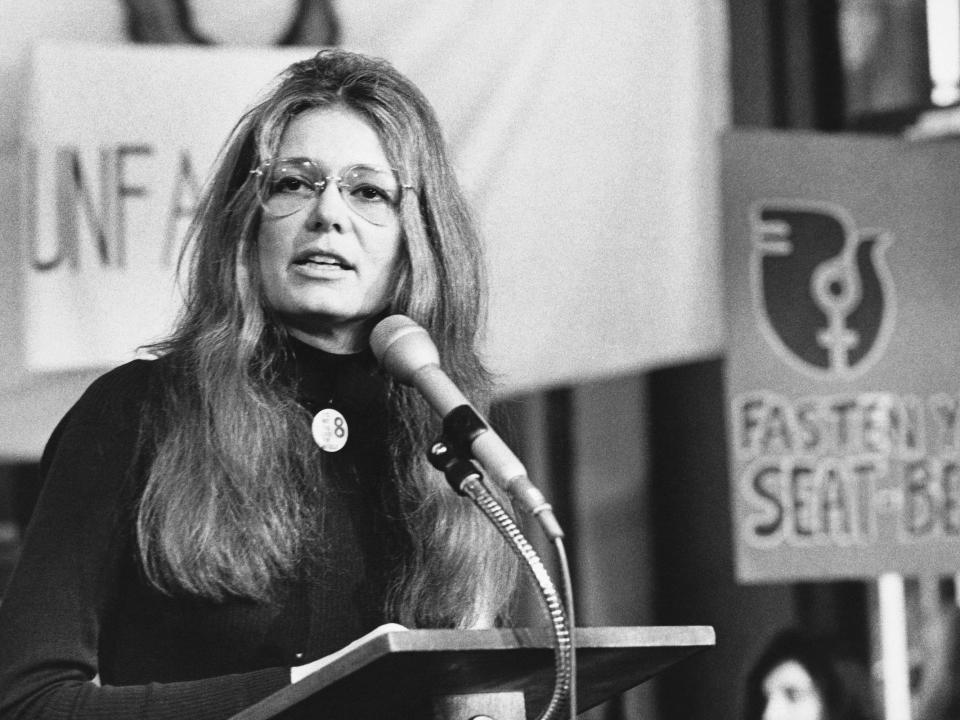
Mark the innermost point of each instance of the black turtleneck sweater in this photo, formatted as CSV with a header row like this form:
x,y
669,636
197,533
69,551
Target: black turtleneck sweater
x,y
78,607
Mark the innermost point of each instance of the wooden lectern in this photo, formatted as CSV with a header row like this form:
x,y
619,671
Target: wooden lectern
x,y
505,674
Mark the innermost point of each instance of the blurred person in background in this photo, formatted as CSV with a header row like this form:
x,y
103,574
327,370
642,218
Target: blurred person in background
x,y
797,677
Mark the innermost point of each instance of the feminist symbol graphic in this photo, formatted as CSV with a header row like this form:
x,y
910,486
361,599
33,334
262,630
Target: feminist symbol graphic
x,y
822,290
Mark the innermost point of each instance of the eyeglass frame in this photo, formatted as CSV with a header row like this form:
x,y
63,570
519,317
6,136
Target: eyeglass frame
x,y
320,186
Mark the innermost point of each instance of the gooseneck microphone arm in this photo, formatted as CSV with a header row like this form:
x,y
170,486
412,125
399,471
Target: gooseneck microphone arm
x,y
406,351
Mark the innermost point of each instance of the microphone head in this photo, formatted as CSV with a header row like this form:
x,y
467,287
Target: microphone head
x,y
402,347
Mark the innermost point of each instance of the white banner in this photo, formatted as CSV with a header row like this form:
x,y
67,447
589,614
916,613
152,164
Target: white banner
x,y
584,134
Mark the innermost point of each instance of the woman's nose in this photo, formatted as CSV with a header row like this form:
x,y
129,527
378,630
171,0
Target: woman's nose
x,y
329,210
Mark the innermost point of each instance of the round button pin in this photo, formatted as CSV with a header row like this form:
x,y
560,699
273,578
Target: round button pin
x,y
330,430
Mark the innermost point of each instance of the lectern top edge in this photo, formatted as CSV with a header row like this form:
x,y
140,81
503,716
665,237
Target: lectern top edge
x,y
413,666
542,637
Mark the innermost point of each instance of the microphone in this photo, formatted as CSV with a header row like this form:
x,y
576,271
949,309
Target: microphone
x,y
405,350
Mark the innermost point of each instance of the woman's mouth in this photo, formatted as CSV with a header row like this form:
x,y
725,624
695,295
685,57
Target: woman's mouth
x,y
321,261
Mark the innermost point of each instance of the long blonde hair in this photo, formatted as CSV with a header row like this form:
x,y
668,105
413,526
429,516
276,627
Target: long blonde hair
x,y
234,471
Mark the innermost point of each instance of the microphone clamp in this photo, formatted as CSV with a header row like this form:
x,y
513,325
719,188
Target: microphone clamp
x,y
461,427
454,455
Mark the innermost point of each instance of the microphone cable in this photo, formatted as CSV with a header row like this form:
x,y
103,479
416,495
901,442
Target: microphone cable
x,y
566,584
564,690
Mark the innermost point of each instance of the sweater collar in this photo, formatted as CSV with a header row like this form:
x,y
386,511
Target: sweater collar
x,y
323,379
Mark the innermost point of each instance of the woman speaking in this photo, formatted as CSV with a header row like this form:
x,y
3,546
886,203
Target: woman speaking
x,y
257,496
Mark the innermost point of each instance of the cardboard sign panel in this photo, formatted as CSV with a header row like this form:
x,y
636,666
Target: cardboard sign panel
x,y
843,372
